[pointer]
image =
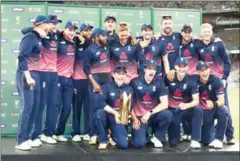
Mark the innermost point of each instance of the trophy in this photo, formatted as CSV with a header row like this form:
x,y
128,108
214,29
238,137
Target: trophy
x,y
125,107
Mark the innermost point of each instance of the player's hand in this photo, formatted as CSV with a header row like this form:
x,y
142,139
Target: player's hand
x,y
145,118
117,117
209,104
143,43
136,124
170,75
42,33
217,39
157,36
29,79
134,41
224,83
183,106
81,38
96,87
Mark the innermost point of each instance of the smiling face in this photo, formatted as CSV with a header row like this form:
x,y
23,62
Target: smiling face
x,y
53,27
181,69
87,33
204,73
119,77
167,26
147,33
187,36
206,32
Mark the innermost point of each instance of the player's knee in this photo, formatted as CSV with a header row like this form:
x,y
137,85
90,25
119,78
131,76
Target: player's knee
x,y
198,111
138,143
100,114
123,144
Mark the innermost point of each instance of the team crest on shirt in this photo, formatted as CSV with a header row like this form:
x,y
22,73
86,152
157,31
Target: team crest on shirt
x,y
213,48
56,37
153,48
147,97
191,45
129,48
148,56
187,53
210,87
117,102
185,86
174,37
177,94
154,88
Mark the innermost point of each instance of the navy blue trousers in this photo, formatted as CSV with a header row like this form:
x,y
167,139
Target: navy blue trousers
x,y
80,99
29,101
194,114
209,132
160,121
119,133
49,96
65,102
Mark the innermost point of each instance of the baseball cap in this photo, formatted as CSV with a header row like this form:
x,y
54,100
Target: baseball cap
x,y
41,19
148,63
99,31
181,61
54,19
85,26
110,17
187,29
70,24
202,64
144,26
119,69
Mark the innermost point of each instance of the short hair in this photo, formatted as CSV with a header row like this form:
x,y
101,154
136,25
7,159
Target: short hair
x,y
166,18
206,25
123,27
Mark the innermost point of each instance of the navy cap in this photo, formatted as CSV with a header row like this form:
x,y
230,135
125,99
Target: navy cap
x,y
202,64
85,26
181,61
71,24
187,29
119,69
99,31
148,63
144,26
54,19
41,19
110,17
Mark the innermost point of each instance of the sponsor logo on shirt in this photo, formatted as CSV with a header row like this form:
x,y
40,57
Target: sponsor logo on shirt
x,y
177,94
208,58
187,53
204,95
147,98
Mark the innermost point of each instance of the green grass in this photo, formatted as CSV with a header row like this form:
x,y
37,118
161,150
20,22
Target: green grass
x,y
233,95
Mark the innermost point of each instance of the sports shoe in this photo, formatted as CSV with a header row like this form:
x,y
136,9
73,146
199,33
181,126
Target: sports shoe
x,y
111,142
157,143
102,146
48,139
60,138
217,144
36,143
76,138
186,137
195,145
93,140
86,137
231,141
24,146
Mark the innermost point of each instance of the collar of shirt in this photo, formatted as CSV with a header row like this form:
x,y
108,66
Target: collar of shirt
x,y
209,80
145,82
185,79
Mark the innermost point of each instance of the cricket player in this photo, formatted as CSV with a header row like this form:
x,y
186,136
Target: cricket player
x,y
65,63
211,92
149,49
150,104
109,114
184,102
124,53
216,55
28,81
80,85
110,25
97,67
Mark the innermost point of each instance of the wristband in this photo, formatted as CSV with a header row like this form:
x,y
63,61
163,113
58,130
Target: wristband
x,y
215,104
